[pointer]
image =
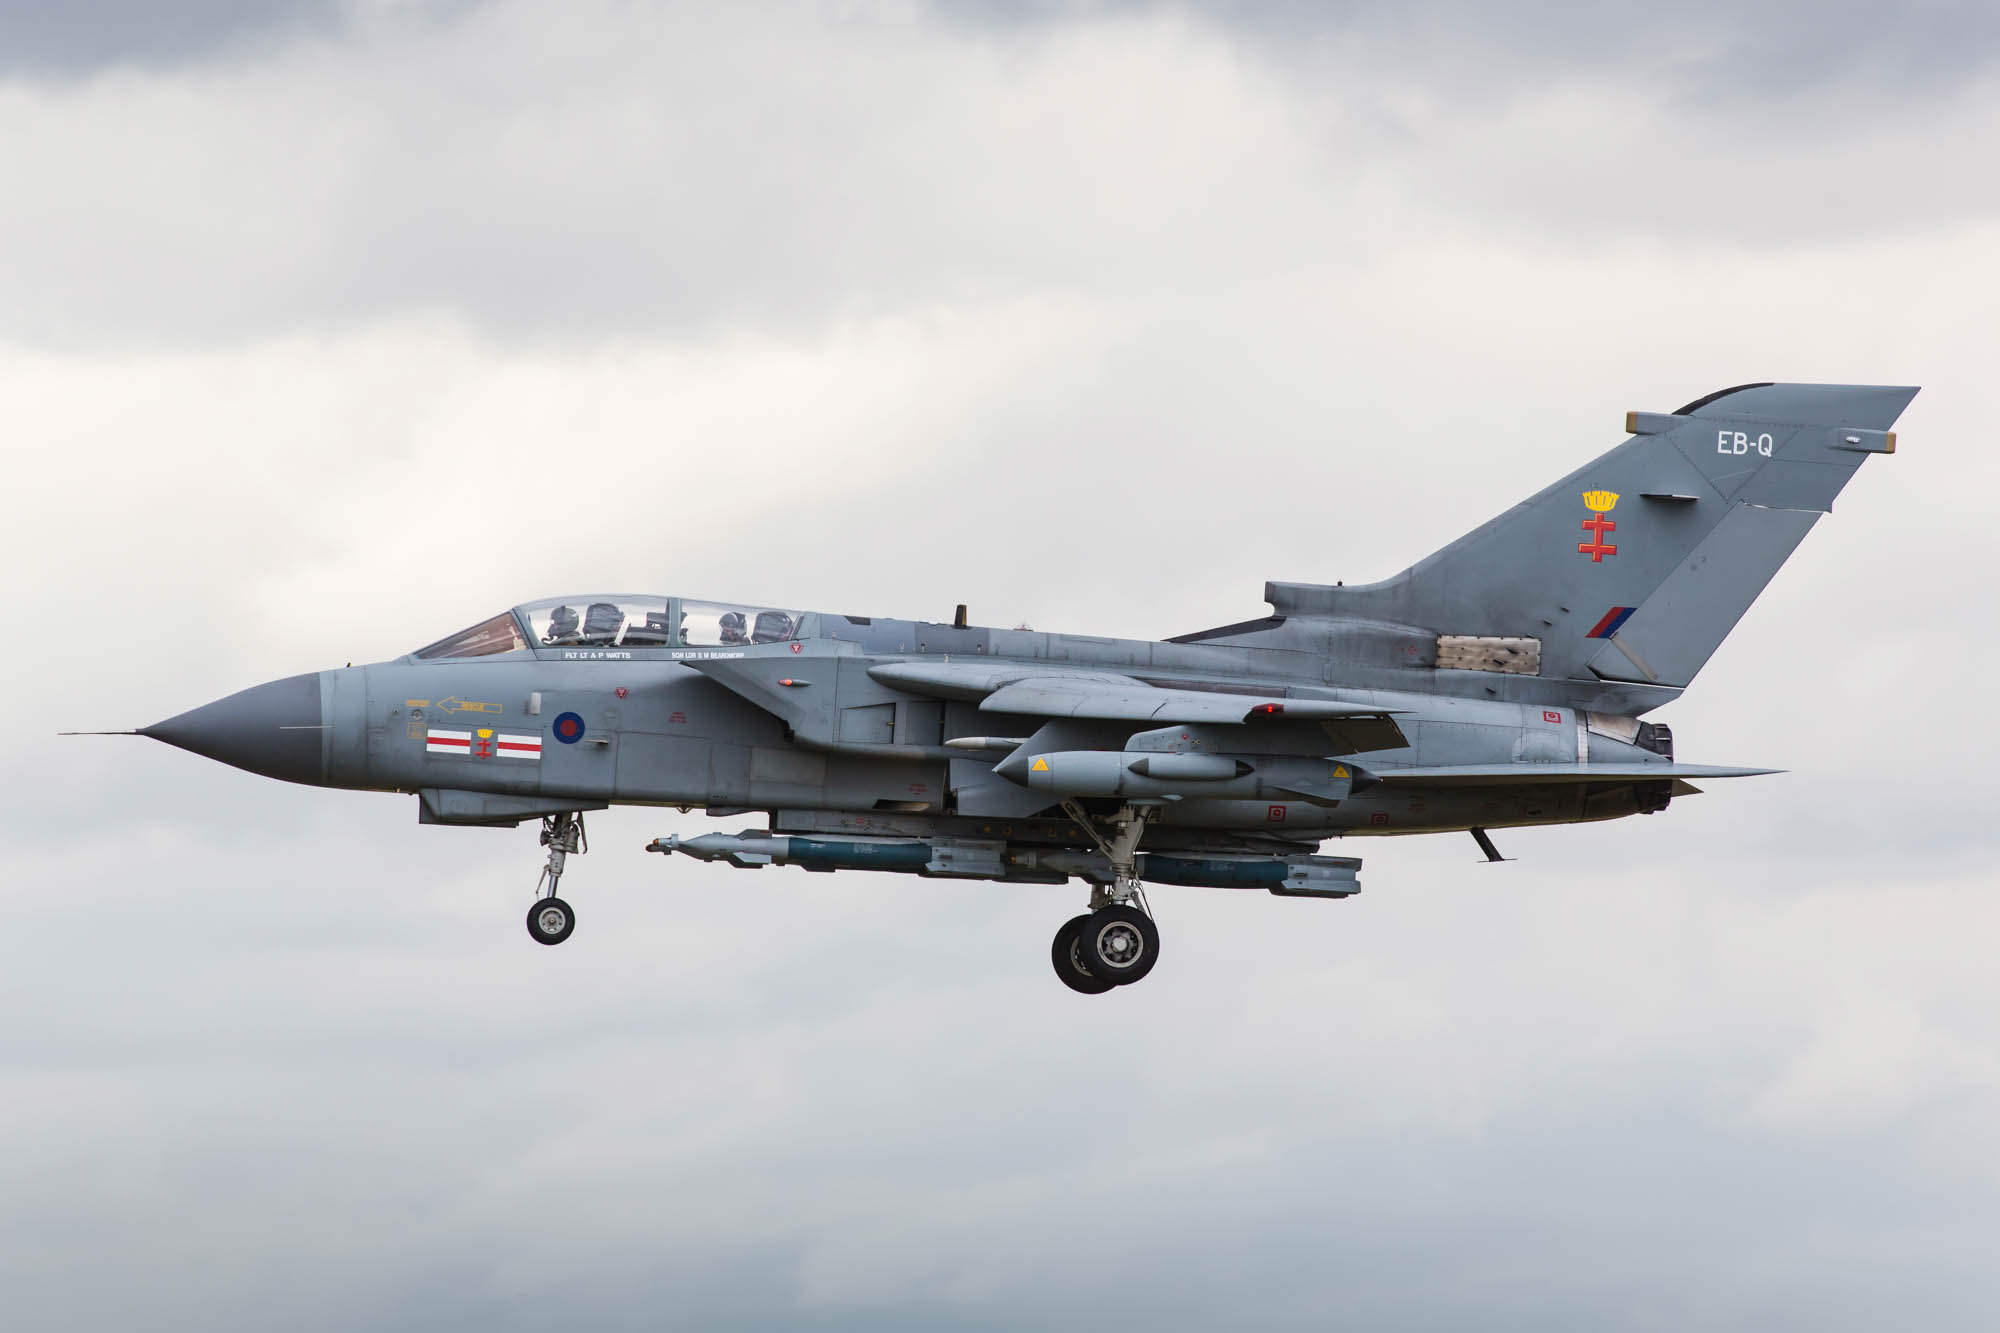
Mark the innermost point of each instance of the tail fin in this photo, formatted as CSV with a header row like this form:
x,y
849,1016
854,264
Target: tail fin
x,y
1635,566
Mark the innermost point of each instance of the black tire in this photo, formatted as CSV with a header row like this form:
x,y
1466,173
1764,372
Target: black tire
x,y
1119,944
551,920
1069,963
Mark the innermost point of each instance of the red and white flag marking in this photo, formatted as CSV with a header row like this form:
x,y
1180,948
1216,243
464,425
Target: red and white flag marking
x,y
489,745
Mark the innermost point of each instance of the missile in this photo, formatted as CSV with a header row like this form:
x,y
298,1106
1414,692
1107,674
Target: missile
x,y
1293,875
756,849
1002,744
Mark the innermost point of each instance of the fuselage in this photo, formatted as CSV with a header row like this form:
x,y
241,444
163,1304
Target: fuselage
x,y
539,710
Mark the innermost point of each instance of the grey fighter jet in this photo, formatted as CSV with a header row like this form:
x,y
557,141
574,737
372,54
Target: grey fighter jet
x,y
1500,681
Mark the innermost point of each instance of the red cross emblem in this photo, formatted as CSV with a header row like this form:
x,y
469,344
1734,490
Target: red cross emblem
x,y
1601,504
1598,525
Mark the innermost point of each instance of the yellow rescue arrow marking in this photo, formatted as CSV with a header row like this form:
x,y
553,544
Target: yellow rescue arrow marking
x,y
467,706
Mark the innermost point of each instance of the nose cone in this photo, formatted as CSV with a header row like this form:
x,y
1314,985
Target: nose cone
x,y
274,729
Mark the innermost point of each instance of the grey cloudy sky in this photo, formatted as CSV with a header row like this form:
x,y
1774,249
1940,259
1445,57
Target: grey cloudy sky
x,y
328,328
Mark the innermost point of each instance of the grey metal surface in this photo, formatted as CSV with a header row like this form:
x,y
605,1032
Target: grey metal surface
x,y
274,729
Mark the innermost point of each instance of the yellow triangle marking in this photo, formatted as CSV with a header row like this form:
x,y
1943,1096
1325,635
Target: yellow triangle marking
x,y
1039,766
1340,770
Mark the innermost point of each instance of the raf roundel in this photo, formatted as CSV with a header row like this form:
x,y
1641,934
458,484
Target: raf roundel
x,y
569,728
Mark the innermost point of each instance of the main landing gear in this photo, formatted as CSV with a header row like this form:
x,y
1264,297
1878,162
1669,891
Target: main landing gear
x,y
1116,942
551,920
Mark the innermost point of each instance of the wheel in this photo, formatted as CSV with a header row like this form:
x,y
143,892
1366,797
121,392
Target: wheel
x,y
1069,963
551,920
1119,944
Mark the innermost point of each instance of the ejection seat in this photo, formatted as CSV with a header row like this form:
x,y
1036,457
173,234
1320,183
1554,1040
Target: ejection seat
x,y
771,627
601,623
657,630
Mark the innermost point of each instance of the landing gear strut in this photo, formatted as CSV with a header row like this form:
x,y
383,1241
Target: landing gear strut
x,y
1116,943
551,920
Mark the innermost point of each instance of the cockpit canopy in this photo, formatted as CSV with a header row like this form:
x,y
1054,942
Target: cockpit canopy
x,y
619,620
603,621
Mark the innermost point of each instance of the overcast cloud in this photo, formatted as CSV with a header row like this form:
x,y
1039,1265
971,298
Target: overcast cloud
x,y
328,329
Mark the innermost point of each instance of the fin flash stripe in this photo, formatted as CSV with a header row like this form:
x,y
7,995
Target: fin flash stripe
x,y
1613,620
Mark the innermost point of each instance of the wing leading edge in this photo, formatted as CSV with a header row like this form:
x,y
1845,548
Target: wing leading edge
x,y
1107,697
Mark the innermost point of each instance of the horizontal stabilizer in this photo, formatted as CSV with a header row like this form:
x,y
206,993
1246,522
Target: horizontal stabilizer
x,y
1485,775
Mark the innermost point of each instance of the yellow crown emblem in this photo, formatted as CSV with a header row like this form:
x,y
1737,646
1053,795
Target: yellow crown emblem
x,y
1601,502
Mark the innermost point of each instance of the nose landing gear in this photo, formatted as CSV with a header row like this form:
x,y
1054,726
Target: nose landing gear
x,y
551,920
